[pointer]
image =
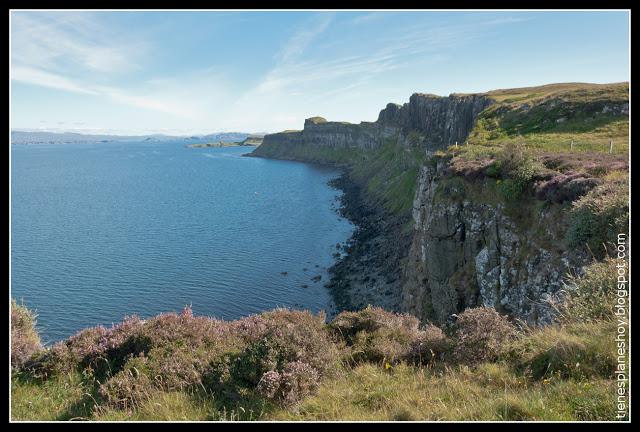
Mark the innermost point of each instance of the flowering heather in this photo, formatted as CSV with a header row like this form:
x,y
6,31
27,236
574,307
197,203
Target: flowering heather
x,y
480,335
25,341
282,359
129,387
286,354
430,345
376,335
349,324
296,381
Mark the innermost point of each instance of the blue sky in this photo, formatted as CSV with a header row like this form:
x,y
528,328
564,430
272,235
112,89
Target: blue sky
x,y
198,72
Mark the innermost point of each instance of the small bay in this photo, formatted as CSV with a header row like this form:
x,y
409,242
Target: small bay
x,y
101,231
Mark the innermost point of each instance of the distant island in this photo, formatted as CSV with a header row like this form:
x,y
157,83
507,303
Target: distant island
x,y
42,137
251,141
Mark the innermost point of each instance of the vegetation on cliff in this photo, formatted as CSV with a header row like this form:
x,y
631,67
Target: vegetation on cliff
x,y
574,117
592,189
567,128
371,364
25,341
477,199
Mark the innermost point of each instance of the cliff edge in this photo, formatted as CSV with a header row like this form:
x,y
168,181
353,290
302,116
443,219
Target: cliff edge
x,y
475,200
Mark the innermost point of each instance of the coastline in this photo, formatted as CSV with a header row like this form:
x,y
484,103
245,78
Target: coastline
x,y
369,272
218,145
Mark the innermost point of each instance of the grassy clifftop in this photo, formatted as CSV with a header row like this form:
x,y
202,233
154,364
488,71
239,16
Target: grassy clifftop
x,y
365,365
551,117
566,119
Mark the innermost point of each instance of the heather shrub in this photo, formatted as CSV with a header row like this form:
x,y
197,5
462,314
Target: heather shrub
x,y
349,324
178,368
480,335
431,344
25,341
174,338
115,347
517,168
65,356
512,158
175,352
184,329
296,381
288,351
568,187
97,352
376,335
599,216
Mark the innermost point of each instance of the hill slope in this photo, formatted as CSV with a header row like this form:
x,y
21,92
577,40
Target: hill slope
x,y
366,365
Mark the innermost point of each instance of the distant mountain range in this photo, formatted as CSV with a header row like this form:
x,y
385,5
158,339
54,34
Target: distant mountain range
x,y
24,137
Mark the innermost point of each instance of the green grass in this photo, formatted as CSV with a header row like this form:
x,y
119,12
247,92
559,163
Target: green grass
x,y
576,350
180,406
555,116
391,175
579,92
559,372
490,392
69,398
62,398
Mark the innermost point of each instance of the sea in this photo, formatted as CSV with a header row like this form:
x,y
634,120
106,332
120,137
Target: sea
x,y
107,230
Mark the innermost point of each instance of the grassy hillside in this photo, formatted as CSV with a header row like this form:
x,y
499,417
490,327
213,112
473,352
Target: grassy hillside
x,y
366,365
549,118
571,122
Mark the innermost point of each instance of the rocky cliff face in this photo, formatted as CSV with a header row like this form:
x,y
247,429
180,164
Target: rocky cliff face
x,y
442,121
471,250
429,121
461,245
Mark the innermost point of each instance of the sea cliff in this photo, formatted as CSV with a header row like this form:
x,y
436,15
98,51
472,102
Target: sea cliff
x,y
470,200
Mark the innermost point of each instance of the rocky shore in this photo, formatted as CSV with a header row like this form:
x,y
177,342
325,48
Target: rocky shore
x,y
370,271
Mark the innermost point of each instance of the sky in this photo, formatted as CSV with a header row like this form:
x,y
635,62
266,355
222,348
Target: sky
x,y
186,73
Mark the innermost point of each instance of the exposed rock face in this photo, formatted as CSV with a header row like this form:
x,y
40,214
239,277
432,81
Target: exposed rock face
x,y
468,253
466,248
428,120
443,121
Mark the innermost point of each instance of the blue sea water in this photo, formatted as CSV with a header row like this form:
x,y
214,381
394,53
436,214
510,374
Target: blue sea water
x,y
101,231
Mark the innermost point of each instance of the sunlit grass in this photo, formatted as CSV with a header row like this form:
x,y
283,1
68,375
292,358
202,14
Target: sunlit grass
x,y
491,392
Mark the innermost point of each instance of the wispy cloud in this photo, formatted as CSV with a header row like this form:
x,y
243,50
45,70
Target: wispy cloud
x,y
62,41
304,36
365,18
30,75
390,52
312,70
74,52
324,60
46,79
